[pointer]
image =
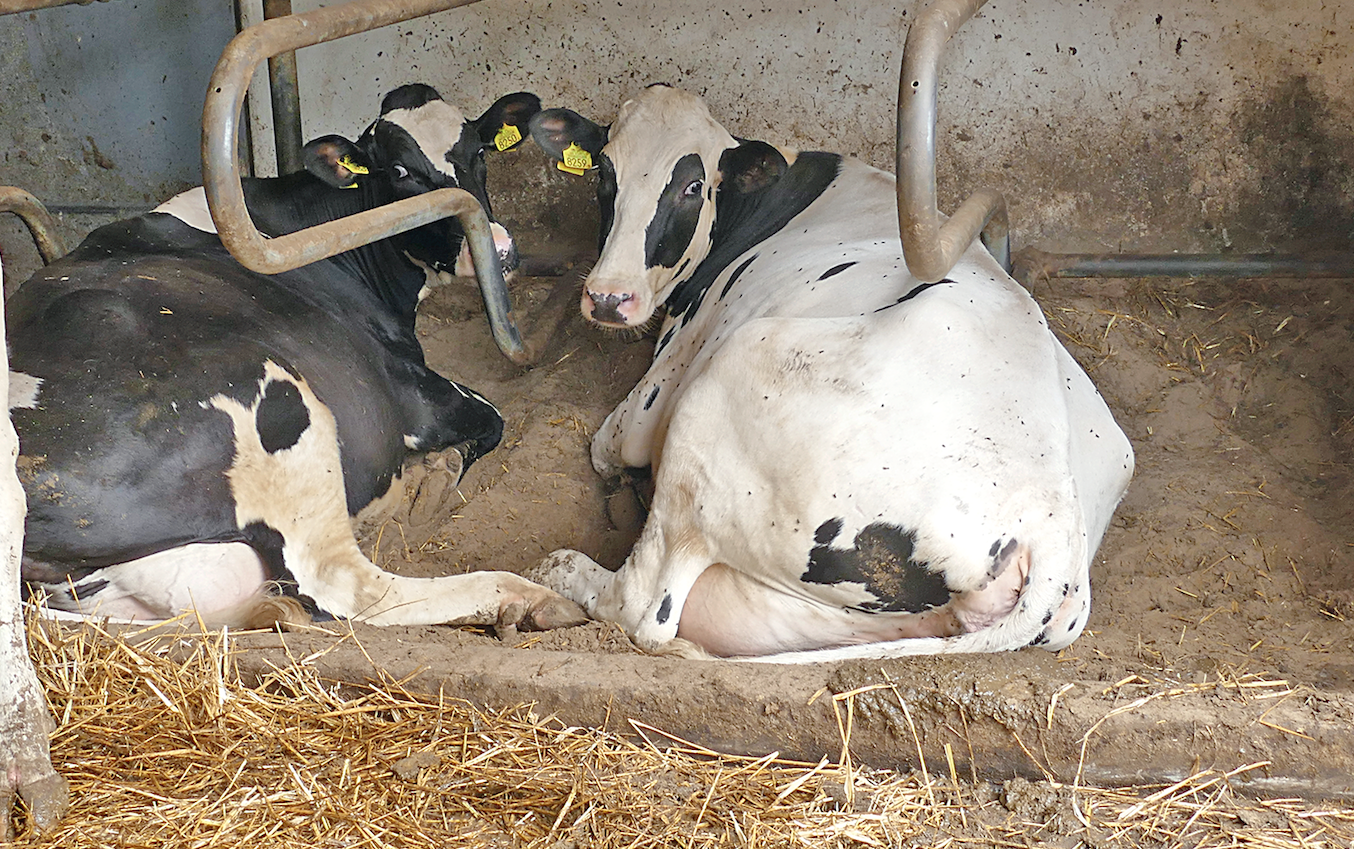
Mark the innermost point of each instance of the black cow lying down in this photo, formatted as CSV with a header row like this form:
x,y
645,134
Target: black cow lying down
x,y
198,436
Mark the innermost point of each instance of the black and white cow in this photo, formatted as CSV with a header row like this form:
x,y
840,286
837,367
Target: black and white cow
x,y
195,435
847,462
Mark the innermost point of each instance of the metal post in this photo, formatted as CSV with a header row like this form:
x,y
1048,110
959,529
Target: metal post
x,y
286,97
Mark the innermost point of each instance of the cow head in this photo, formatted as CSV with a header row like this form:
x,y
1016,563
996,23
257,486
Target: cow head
x,y
659,171
421,143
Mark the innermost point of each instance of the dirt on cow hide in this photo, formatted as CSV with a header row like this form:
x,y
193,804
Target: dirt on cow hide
x,y
1230,556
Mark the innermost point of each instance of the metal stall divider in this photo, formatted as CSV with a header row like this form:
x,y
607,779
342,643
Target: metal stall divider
x,y
225,195
931,249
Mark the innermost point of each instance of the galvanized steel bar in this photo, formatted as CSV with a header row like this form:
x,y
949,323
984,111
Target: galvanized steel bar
x,y
221,170
39,221
930,248
1033,264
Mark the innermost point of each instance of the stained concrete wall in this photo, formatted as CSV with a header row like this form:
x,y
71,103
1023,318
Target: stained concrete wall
x,y
1110,125
1114,125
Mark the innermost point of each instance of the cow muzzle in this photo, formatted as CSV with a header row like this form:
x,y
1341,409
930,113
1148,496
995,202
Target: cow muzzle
x,y
611,309
503,245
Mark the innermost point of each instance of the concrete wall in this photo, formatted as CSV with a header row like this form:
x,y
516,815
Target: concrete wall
x,y
101,108
1111,125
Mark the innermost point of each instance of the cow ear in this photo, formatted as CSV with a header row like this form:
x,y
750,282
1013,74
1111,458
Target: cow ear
x,y
751,167
510,110
557,129
336,161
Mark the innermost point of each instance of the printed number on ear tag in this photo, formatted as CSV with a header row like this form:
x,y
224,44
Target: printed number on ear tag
x,y
576,160
508,135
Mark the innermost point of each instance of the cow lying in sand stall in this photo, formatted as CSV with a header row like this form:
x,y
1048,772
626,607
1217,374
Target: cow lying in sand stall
x,y
195,434
25,758
847,462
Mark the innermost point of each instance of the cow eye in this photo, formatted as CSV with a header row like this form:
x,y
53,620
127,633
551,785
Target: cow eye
x,y
693,189
400,171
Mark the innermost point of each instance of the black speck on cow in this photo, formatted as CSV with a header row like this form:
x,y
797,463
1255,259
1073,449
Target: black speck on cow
x,y
199,436
804,379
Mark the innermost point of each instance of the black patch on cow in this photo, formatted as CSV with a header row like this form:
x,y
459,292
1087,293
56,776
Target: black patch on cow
x,y
663,343
733,278
827,532
744,219
665,610
410,96
881,560
653,396
606,198
269,543
281,416
669,232
836,269
914,292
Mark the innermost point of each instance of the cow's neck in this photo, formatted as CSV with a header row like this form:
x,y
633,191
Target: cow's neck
x,y
281,205
743,221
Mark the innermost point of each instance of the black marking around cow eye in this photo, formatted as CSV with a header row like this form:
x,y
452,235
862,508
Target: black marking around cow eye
x,y
669,232
881,561
665,610
653,396
281,416
836,269
733,278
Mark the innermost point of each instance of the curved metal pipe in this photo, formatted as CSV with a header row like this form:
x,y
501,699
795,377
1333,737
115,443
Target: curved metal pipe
x,y
39,221
221,170
930,248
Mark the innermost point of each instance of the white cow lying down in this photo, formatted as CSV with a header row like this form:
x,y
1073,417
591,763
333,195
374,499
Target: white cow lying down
x,y
848,463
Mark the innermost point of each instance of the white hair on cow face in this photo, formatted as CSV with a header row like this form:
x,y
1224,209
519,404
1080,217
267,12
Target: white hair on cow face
x,y
650,141
436,128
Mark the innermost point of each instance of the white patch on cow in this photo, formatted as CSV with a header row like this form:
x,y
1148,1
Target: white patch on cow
x,y
190,207
298,492
651,134
23,390
207,578
435,127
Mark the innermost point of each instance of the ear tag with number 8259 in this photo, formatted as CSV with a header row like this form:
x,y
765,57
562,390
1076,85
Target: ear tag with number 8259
x,y
576,160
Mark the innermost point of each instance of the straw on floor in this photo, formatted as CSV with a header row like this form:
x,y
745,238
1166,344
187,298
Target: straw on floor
x,y
166,746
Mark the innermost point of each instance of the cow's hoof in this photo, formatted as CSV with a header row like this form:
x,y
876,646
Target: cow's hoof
x,y
48,799
435,493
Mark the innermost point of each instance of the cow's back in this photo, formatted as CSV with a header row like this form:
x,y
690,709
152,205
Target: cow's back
x,y
131,336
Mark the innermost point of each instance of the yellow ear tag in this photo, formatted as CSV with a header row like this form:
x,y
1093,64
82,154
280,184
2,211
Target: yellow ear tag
x,y
576,160
347,162
508,135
